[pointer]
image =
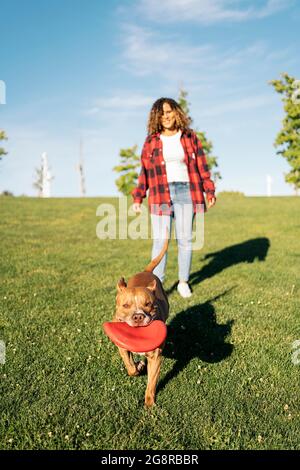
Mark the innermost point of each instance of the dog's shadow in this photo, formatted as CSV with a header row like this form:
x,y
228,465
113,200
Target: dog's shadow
x,y
194,332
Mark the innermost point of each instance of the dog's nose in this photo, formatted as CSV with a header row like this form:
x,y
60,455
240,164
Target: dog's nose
x,y
138,317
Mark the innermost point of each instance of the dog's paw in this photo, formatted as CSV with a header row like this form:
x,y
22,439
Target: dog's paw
x,y
149,402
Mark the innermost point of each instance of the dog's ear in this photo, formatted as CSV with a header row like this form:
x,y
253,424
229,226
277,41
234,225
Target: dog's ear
x,y
121,284
152,285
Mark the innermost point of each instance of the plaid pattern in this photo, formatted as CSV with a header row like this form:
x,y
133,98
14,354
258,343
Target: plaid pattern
x,y
153,174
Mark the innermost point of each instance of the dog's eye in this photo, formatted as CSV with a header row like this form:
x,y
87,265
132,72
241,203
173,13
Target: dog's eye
x,y
126,305
148,304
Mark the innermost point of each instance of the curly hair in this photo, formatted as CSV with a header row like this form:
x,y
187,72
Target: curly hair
x,y
182,121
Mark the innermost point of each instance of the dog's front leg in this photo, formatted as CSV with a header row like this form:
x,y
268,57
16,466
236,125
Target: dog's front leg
x,y
129,362
154,359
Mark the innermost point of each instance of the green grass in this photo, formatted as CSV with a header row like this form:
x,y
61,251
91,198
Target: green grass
x,y
227,380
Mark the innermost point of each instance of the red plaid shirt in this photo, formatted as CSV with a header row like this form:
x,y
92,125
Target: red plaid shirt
x,y
153,174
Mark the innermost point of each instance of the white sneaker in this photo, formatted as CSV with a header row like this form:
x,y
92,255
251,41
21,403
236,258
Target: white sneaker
x,y
184,289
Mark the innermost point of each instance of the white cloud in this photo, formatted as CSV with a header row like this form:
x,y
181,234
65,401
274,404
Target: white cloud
x,y
128,101
119,103
209,11
147,53
150,53
242,104
272,7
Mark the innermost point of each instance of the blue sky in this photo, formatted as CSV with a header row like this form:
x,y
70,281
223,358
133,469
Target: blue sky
x,y
91,70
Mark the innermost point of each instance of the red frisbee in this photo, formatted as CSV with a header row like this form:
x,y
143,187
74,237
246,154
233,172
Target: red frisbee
x,y
136,339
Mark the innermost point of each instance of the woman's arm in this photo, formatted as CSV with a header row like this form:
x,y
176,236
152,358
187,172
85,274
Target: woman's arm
x,y
208,184
139,192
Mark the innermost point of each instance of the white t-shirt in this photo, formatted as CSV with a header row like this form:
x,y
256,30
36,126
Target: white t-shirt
x,y
173,155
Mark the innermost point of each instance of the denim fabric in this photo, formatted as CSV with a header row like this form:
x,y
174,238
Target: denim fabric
x,y
183,213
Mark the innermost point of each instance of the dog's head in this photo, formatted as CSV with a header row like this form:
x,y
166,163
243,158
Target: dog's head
x,y
136,305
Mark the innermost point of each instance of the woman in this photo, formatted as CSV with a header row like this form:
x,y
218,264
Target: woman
x,y
175,171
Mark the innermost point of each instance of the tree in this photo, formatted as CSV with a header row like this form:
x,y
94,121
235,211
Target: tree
x,y
2,137
183,102
43,177
288,139
38,183
206,144
7,193
130,161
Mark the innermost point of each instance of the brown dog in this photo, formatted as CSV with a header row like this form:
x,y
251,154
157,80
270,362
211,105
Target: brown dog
x,y
138,303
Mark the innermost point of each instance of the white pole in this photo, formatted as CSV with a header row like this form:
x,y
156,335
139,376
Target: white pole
x,y
269,185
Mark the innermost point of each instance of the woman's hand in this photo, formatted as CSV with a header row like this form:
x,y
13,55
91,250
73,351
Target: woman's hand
x,y
136,207
211,202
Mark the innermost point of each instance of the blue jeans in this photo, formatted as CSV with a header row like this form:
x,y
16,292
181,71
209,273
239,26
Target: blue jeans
x,y
183,214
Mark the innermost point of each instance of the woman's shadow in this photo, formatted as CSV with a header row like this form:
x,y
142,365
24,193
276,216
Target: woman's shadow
x,y
195,333
245,252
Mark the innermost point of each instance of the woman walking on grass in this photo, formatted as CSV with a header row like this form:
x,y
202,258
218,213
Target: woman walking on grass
x,y
174,169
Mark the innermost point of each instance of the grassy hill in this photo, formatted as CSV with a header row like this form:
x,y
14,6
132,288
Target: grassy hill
x,y
228,380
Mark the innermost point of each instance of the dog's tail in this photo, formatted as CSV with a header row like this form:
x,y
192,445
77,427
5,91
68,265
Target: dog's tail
x,y
158,258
